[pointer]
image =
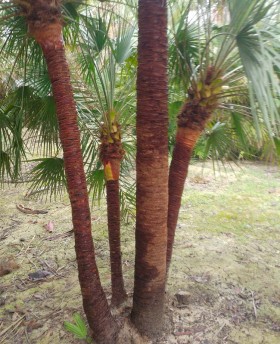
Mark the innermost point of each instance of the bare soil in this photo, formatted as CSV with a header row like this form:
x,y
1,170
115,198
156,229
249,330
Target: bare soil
x,y
224,280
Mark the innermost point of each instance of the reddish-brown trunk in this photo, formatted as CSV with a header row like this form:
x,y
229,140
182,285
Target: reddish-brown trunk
x,y
191,122
113,214
151,168
95,304
185,142
111,154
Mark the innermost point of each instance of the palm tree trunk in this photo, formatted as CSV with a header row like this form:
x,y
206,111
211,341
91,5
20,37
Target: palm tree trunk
x,y
151,169
113,215
186,139
191,122
95,304
111,155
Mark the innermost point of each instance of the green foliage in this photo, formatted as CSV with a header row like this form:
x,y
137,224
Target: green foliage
x,y
183,44
173,110
48,177
96,182
78,328
233,138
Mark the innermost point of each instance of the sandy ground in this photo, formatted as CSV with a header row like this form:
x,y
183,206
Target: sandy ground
x,y
226,262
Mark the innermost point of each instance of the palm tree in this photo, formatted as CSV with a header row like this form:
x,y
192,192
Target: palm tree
x,y
242,51
44,22
102,75
151,168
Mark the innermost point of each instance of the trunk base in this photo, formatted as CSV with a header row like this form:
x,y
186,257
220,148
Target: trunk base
x,y
144,319
118,299
129,335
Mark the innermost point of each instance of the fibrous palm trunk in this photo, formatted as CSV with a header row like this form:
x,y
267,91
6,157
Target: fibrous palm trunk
x,y
111,154
201,102
44,23
151,168
113,214
186,138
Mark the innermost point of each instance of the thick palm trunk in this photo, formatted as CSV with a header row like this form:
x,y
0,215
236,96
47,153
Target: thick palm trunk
x,y
151,169
96,308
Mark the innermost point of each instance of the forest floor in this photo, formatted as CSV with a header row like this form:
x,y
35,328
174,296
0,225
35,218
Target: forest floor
x,y
226,262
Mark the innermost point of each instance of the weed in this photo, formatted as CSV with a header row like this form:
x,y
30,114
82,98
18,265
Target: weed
x,y
79,328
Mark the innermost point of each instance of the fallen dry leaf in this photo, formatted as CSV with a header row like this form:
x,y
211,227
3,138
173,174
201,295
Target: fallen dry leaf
x,y
26,210
49,226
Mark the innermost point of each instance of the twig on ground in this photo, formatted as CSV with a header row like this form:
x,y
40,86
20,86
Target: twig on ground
x,y
26,248
31,262
26,210
61,268
12,326
26,335
62,235
254,304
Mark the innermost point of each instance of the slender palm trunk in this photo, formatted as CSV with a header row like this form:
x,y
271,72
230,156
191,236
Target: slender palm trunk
x,y
186,139
113,214
191,122
95,304
111,155
202,100
151,169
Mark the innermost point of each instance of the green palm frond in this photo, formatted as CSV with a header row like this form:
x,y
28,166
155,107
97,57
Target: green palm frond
x,y
127,198
41,123
48,178
35,118
173,110
38,79
94,31
6,167
90,145
240,129
7,170
184,44
123,44
258,58
217,141
14,107
96,182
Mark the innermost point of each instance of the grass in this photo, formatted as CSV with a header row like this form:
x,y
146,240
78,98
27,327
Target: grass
x,y
243,202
